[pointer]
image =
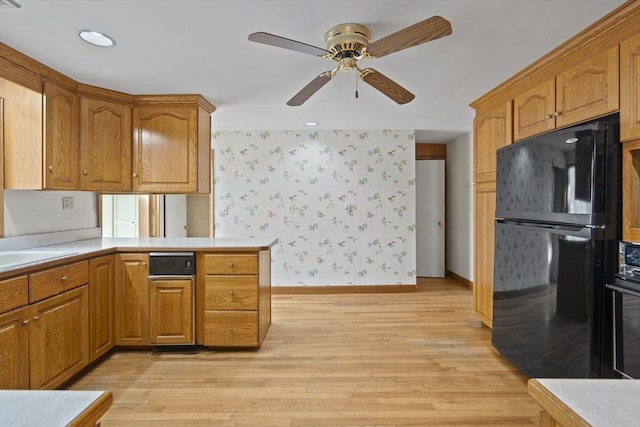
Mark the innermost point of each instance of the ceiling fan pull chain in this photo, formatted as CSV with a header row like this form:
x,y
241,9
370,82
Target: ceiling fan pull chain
x,y
356,74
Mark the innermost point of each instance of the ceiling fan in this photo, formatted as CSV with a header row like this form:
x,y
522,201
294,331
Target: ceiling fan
x,y
348,43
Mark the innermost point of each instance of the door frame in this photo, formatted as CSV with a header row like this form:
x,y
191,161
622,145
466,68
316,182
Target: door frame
x,y
435,151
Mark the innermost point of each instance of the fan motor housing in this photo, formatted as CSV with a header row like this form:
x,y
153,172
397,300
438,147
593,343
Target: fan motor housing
x,y
347,40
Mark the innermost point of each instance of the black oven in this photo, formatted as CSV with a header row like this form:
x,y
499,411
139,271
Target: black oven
x,y
626,327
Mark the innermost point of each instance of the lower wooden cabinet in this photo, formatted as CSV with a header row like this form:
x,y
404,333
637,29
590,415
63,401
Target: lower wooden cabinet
x,y
132,300
58,338
235,306
171,311
102,282
14,349
484,207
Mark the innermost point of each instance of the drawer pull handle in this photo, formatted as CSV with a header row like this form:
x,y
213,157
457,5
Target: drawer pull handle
x,y
26,322
230,329
230,265
64,278
231,293
36,318
50,168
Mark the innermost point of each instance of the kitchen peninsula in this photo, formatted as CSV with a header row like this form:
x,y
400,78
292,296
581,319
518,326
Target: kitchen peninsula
x,y
97,295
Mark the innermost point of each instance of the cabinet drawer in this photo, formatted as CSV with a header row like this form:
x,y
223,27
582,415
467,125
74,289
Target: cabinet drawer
x,y
14,293
57,280
231,328
231,293
231,264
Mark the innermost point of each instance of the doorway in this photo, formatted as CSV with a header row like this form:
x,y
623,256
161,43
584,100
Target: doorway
x,y
430,210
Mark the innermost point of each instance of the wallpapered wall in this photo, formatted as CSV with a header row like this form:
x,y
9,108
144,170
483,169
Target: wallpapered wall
x,y
341,203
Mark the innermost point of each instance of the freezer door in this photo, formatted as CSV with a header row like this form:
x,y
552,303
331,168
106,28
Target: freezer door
x,y
547,282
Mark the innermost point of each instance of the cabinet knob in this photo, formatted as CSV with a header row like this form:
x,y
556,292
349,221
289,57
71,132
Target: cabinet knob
x,y
231,293
548,116
230,329
135,174
85,172
230,265
64,278
556,113
50,168
36,318
26,322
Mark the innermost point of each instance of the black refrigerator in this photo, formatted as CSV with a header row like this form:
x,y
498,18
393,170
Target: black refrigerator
x,y
558,207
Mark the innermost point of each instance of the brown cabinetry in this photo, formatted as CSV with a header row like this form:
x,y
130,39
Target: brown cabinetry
x,y
171,144
22,130
236,307
132,300
102,282
61,149
105,145
631,191
586,90
484,227
492,130
58,338
14,349
630,89
171,311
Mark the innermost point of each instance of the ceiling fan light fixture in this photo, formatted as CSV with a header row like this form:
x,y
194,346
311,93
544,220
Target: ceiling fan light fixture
x,y
96,38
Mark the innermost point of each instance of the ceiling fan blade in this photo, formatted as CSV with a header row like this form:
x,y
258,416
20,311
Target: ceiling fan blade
x,y
422,32
277,41
387,86
311,88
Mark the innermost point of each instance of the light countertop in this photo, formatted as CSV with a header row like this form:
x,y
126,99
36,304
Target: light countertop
x,y
83,249
26,408
589,402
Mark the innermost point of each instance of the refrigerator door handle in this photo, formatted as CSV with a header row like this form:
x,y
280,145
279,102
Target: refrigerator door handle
x,y
567,230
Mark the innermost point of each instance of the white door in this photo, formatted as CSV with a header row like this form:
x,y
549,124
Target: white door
x,y
125,215
175,215
430,218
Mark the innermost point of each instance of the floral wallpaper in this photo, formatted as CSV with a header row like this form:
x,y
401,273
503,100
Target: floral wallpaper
x,y
341,203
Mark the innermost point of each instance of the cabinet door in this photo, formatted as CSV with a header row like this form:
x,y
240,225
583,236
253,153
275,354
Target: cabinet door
x,y
631,191
630,88
14,349
60,138
165,156
493,129
485,208
588,90
22,131
59,338
105,145
171,311
132,300
102,282
534,110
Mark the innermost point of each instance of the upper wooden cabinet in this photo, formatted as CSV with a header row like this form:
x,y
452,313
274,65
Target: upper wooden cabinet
x,y
22,130
105,145
172,144
630,88
492,130
581,92
61,150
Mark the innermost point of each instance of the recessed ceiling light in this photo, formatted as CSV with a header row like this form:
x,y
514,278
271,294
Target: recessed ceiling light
x,y
311,123
96,38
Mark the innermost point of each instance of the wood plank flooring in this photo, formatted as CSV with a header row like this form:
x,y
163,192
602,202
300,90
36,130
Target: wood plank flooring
x,y
405,359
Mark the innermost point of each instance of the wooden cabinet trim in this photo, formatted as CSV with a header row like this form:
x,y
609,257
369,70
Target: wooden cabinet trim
x,y
630,81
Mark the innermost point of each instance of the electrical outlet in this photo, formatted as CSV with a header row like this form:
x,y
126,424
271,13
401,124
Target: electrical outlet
x,y
67,203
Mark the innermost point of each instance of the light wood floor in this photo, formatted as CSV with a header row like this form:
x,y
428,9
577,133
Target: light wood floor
x,y
405,359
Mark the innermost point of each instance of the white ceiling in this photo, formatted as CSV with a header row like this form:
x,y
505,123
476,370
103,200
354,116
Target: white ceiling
x,y
201,46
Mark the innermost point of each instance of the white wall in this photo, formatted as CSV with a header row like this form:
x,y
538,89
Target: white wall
x,y
341,203
459,177
33,212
